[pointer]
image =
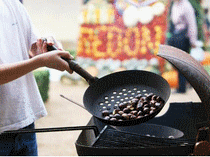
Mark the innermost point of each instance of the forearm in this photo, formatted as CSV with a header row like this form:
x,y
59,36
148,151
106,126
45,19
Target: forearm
x,y
53,59
10,72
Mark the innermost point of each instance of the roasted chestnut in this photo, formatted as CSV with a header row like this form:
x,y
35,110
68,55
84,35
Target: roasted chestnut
x,y
115,111
125,116
132,117
139,117
152,102
146,110
117,116
140,113
126,110
152,108
157,104
146,105
107,118
149,96
134,101
120,112
105,113
138,96
111,116
154,97
113,119
134,112
151,111
139,105
123,105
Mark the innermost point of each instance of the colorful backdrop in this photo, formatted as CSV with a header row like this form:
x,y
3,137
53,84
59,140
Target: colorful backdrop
x,y
123,30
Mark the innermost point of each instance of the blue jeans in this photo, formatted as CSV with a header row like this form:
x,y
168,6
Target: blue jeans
x,y
18,144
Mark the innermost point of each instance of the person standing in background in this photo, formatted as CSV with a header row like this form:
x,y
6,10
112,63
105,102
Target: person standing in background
x,y
182,31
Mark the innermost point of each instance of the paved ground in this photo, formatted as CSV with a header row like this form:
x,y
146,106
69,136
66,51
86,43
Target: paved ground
x,y
62,113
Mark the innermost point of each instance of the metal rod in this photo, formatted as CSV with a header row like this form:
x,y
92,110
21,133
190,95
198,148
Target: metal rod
x,y
95,129
73,101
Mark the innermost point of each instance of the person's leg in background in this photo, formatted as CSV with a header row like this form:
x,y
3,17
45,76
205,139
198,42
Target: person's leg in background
x,y
183,43
185,46
182,83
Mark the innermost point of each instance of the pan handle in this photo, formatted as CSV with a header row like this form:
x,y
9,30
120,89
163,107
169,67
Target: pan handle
x,y
75,67
82,72
41,130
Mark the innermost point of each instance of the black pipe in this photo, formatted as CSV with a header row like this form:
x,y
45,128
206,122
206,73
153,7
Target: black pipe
x,y
95,129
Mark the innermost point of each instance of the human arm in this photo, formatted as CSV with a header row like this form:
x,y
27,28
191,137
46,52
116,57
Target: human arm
x,y
40,46
12,71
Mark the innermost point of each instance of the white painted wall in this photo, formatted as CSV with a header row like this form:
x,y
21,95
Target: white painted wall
x,y
55,17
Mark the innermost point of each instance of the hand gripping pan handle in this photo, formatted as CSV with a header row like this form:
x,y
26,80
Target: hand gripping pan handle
x,y
77,68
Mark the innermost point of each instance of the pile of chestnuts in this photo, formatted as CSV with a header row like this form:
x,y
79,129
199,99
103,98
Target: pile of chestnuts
x,y
138,107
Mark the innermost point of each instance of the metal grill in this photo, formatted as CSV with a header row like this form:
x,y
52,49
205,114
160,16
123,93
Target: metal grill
x,y
111,138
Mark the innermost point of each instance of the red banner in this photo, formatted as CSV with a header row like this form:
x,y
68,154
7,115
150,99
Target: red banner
x,y
120,42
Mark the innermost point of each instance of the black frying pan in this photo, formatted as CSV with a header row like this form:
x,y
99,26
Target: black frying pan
x,y
109,91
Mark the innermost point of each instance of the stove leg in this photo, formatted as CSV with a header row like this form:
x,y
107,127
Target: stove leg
x,y
202,146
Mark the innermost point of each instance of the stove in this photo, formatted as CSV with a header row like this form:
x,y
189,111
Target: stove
x,y
132,140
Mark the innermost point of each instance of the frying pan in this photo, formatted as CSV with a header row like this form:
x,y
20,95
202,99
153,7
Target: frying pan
x,y
109,91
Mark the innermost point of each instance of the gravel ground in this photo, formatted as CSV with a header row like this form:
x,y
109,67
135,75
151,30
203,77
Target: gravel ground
x,y
62,113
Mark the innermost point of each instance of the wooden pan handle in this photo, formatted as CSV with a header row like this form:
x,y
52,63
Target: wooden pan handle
x,y
76,67
82,72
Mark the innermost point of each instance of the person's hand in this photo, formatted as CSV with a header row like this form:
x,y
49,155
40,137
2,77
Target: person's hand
x,y
53,59
41,46
52,41
38,48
